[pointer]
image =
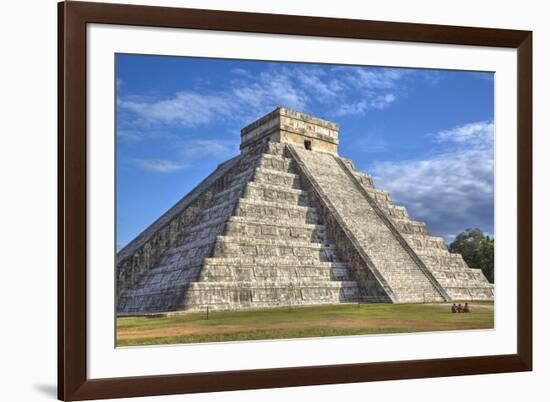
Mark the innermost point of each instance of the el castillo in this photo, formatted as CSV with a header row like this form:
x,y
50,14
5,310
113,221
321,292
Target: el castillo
x,y
288,221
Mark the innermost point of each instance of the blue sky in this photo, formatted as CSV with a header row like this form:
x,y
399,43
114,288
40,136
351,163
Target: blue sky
x,y
426,136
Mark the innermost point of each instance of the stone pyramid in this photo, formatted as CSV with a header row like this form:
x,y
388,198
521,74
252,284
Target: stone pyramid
x,y
288,222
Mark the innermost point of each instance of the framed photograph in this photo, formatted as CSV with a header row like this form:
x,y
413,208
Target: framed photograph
x,y
252,200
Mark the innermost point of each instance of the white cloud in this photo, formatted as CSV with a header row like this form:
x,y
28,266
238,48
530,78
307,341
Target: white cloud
x,y
315,81
186,109
159,165
245,99
266,91
240,71
363,106
140,135
374,79
340,91
382,102
352,108
478,133
130,135
452,190
218,149
190,152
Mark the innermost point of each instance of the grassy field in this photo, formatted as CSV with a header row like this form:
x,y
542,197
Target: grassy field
x,y
299,323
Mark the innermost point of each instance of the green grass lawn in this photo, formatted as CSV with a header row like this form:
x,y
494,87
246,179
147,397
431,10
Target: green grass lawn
x,y
300,322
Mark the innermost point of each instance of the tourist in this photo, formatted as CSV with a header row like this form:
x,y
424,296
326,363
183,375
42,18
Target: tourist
x,y
454,308
466,308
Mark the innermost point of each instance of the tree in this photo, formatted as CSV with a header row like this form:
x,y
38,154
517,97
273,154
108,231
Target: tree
x,y
466,244
484,258
477,250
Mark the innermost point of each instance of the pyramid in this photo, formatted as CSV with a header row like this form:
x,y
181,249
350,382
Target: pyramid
x,y
288,222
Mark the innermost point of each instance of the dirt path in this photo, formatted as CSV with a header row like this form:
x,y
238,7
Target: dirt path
x,y
188,328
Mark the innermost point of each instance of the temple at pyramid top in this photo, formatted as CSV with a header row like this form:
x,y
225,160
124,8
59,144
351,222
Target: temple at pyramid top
x,y
287,126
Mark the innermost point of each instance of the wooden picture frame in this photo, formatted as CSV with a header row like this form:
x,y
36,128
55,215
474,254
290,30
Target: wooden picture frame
x,y
73,382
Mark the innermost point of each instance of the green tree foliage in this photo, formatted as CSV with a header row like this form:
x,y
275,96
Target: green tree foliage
x,y
466,243
477,250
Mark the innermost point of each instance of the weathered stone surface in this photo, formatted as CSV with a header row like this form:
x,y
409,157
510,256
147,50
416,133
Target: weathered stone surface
x,y
290,127
404,277
281,224
459,281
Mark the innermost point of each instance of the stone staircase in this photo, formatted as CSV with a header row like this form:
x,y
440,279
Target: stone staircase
x,y
459,281
406,279
259,244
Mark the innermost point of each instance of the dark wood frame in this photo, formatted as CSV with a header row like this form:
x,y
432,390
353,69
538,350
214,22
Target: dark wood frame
x,y
73,383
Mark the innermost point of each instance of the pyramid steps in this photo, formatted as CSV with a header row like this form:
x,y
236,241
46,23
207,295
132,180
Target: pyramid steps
x,y
395,211
425,241
243,284
272,273
443,261
451,271
183,249
407,226
205,230
471,293
259,236
276,178
248,227
224,295
288,222
268,268
371,233
236,179
269,193
275,212
268,285
231,192
188,268
268,261
165,275
275,162
380,196
365,180
228,246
